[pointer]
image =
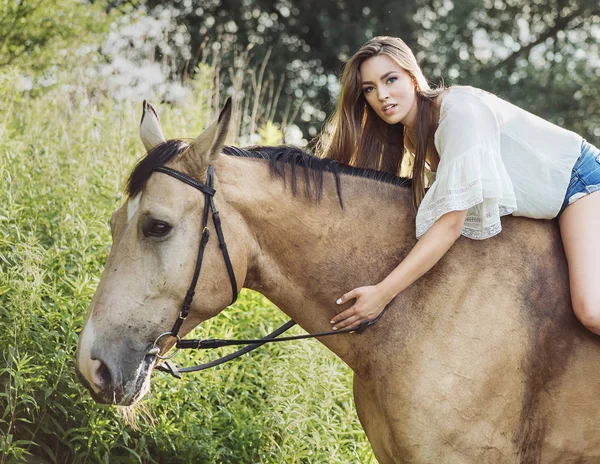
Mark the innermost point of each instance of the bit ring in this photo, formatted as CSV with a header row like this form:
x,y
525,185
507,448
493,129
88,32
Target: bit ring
x,y
155,346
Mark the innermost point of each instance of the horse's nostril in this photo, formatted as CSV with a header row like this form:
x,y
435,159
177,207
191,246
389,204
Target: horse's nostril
x,y
100,375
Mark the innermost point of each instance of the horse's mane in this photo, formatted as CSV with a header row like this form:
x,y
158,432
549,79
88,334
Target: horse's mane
x,y
311,167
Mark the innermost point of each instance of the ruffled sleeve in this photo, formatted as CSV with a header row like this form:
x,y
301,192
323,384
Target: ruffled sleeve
x,y
470,174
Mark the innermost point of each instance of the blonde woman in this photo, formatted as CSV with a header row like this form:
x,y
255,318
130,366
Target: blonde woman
x,y
490,159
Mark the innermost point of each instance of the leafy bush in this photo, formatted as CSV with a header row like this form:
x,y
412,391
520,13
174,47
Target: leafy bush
x,y
39,34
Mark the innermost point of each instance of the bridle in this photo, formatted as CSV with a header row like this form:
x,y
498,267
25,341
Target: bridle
x,y
209,205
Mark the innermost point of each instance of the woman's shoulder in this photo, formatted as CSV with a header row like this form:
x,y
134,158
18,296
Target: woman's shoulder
x,y
442,96
467,90
464,102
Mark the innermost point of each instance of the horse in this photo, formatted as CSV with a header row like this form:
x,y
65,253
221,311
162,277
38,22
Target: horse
x,y
479,361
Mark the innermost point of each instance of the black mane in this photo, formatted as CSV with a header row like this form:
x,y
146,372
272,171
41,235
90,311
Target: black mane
x,y
310,167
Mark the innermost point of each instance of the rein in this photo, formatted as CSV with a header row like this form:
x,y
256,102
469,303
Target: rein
x,y
252,344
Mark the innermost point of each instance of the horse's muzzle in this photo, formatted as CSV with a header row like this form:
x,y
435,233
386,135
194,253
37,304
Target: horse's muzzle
x,y
109,384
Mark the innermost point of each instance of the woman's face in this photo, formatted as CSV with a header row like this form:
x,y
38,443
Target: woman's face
x,y
389,90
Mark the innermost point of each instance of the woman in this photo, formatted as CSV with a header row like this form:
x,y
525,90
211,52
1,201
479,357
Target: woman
x,y
489,157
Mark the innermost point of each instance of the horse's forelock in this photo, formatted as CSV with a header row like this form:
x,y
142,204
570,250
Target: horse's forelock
x,y
158,156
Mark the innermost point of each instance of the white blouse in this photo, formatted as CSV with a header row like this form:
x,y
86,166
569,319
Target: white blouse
x,y
496,159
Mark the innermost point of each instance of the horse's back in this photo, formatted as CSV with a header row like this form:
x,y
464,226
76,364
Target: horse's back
x,y
482,360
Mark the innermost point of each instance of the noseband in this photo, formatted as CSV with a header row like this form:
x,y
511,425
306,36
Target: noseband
x,y
209,205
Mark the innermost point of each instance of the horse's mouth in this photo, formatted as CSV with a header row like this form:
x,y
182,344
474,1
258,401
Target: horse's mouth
x,y
129,393
137,388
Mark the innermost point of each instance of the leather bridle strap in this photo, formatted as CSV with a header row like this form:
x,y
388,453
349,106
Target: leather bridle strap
x,y
218,343
170,368
251,345
209,204
206,189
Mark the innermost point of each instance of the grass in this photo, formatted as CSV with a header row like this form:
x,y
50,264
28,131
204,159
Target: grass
x,y
64,155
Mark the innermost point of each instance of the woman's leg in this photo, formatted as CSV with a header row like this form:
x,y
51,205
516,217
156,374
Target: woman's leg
x,y
580,231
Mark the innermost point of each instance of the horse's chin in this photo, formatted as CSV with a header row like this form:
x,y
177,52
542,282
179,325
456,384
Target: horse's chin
x,y
131,392
137,388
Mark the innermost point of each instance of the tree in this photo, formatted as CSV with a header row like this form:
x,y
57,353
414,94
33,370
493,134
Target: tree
x,y
542,56
36,34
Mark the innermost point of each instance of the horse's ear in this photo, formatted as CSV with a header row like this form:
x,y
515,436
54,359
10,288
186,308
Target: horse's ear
x,y
207,147
150,130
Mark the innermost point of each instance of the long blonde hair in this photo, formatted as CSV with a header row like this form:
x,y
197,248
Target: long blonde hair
x,y
361,138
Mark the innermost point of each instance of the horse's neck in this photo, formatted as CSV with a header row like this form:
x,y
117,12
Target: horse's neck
x,y
308,254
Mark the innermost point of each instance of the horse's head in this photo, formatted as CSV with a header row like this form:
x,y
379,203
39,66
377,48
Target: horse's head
x,y
156,235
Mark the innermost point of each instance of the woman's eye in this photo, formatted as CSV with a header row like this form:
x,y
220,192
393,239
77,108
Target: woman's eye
x,y
367,89
391,80
155,228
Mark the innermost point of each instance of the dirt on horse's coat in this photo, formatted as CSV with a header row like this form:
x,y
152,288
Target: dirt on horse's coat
x,y
479,361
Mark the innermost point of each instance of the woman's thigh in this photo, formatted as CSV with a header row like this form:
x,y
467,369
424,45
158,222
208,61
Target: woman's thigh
x,y
580,231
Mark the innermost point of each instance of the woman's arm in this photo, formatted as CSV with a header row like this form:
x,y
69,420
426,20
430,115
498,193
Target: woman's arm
x,y
371,300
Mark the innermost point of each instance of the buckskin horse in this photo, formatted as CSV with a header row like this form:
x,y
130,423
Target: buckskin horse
x,y
480,361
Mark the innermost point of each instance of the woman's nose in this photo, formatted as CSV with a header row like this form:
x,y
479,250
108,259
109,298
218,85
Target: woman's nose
x,y
383,95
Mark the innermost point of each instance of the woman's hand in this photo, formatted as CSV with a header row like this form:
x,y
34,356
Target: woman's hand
x,y
370,301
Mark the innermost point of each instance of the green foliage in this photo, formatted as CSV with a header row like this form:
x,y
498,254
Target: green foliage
x,y
36,34
63,158
270,134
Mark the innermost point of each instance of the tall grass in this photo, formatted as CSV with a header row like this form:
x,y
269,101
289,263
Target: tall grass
x,y
64,155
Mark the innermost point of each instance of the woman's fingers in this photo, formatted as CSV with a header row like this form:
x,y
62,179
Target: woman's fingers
x,y
349,322
348,296
350,312
369,303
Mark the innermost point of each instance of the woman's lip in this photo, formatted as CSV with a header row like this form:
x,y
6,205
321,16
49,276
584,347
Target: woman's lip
x,y
389,110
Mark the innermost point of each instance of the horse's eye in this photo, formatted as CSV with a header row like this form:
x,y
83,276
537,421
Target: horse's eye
x,y
155,228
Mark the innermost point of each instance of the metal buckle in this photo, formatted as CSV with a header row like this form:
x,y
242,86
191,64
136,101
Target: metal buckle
x,y
155,350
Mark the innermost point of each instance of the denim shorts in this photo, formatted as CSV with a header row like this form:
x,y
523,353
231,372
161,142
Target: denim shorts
x,y
585,178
